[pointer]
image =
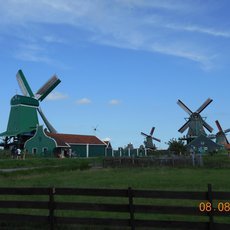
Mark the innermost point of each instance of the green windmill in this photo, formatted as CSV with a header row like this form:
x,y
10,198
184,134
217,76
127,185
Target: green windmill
x,y
23,118
195,123
149,139
221,138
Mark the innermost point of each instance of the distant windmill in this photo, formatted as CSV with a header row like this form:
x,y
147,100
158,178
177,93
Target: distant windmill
x,y
149,139
221,138
195,123
23,117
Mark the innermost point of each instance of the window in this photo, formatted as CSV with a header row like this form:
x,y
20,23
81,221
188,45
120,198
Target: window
x,y
34,150
45,150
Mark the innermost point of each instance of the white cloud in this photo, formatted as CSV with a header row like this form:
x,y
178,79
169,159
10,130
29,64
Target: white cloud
x,y
129,24
114,102
163,4
36,52
52,39
31,52
83,101
199,29
184,51
54,96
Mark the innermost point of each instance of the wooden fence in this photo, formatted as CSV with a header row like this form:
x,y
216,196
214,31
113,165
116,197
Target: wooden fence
x,y
125,208
174,161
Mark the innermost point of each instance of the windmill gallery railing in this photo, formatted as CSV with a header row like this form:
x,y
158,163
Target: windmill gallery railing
x,y
126,208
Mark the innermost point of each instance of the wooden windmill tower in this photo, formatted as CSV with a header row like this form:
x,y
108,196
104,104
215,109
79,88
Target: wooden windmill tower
x,y
149,139
195,123
221,138
23,118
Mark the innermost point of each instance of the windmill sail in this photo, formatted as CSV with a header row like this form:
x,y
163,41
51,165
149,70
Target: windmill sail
x,y
204,105
47,88
152,131
218,126
184,127
207,126
156,139
226,139
48,125
23,84
144,134
227,130
184,107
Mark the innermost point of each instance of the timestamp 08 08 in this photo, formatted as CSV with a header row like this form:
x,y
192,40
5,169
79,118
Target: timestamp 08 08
x,y
221,207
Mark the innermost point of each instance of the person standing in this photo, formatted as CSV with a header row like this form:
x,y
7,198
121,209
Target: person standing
x,y
18,153
14,152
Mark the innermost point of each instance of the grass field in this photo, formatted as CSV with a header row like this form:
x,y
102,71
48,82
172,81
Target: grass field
x,y
157,178
78,173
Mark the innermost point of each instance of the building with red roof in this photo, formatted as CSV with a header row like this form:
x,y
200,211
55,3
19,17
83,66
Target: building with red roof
x,y
59,144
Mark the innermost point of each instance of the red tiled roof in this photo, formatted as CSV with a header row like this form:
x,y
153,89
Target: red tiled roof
x,y
59,141
75,139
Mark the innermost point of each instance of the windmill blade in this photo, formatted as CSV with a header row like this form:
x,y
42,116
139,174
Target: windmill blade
x,y
184,107
152,131
154,138
207,126
47,88
23,84
204,105
226,130
218,126
184,127
144,134
226,139
48,125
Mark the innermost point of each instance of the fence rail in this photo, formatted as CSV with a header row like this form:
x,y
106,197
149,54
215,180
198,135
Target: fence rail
x,y
152,161
126,208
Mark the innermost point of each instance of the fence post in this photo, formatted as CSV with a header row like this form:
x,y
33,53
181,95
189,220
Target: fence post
x,y
51,208
131,208
210,199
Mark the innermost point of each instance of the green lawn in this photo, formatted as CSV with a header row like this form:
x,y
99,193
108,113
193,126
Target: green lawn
x,y
70,173
67,173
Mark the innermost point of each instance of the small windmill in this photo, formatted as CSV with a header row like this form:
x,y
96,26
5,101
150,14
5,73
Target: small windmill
x,y
221,138
23,118
195,123
149,139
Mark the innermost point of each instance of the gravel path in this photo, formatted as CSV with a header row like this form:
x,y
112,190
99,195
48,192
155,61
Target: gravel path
x,y
17,169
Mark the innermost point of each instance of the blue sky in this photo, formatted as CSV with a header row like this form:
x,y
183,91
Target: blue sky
x,y
123,63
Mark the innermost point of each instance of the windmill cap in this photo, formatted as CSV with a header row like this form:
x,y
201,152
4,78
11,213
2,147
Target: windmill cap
x,y
23,100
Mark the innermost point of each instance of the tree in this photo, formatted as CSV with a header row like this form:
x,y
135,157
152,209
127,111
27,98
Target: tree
x,y
176,146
